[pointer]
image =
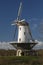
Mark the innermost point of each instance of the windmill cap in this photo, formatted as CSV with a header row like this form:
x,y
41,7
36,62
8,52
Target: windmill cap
x,y
22,23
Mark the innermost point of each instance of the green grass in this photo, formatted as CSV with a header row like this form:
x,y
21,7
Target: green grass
x,y
23,60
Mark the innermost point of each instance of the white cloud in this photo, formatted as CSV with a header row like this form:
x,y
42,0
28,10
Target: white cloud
x,y
6,46
38,46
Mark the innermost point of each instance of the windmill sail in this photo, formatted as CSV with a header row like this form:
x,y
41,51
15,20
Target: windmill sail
x,y
18,18
19,11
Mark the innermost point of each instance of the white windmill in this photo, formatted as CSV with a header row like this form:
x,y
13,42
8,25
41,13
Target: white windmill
x,y
24,35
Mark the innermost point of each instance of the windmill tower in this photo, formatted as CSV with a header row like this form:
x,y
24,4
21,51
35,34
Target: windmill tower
x,y
23,44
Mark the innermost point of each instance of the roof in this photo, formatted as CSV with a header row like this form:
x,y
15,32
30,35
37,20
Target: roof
x,y
22,23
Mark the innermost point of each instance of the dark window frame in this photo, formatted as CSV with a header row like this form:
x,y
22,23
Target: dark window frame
x,y
24,33
20,28
19,39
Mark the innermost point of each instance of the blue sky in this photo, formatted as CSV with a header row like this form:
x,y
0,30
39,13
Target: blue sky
x,y
32,12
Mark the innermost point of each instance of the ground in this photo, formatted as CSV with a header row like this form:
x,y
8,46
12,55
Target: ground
x,y
7,57
23,60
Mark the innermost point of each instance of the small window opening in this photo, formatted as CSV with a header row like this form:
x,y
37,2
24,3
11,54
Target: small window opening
x,y
20,28
24,33
20,39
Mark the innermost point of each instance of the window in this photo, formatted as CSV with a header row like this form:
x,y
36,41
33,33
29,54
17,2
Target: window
x,y
19,39
24,33
20,28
